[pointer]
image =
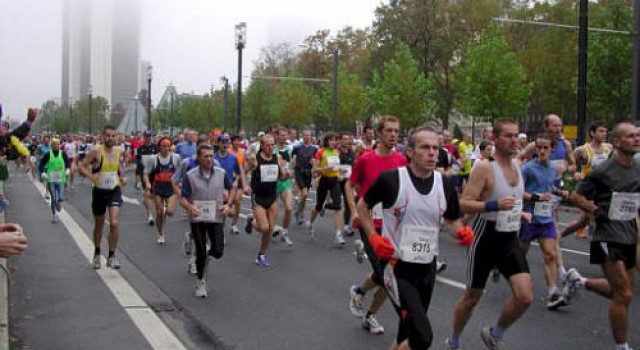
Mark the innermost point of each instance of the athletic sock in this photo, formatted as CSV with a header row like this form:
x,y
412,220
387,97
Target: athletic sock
x,y
497,332
96,251
553,289
454,340
360,291
111,252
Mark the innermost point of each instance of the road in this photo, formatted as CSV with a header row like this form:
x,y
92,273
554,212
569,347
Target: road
x,y
57,301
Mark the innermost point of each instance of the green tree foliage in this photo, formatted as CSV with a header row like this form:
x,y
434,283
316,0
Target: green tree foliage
x,y
402,90
490,82
293,104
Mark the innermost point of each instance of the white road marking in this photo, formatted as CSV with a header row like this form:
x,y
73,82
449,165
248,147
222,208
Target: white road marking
x,y
158,335
567,250
130,200
451,282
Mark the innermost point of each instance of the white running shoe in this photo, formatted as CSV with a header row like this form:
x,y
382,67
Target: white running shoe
x,y
187,243
356,304
371,324
160,239
54,219
338,239
285,239
201,289
150,221
235,230
191,265
113,263
97,261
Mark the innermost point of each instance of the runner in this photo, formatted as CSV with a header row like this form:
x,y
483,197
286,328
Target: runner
x,y
414,200
187,148
538,176
71,149
611,193
495,192
203,196
158,175
43,148
325,166
302,156
266,168
284,189
465,149
588,156
347,157
228,161
237,150
367,142
144,153
108,178
366,170
54,168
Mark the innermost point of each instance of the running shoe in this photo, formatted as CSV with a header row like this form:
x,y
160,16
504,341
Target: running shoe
x,y
191,265
277,230
441,265
571,284
150,221
448,346
187,243
347,230
309,227
234,229
371,324
286,240
555,301
338,239
249,226
356,304
495,275
261,261
360,253
299,218
201,289
46,196
160,239
113,262
97,261
54,218
490,341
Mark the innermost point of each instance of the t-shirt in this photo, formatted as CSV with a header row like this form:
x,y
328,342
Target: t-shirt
x,y
185,149
598,186
329,158
467,150
230,165
303,154
538,179
386,186
369,165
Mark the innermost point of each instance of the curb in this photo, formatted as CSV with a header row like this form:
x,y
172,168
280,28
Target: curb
x,y
4,294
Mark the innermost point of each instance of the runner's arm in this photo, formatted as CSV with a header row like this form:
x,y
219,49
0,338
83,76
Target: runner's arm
x,y
471,201
83,166
527,153
571,160
584,193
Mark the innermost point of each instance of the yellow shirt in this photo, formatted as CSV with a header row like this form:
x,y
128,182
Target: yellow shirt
x,y
109,178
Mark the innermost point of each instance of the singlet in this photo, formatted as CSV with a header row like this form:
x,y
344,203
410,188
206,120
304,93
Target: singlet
x,y
164,172
329,158
501,187
56,168
594,159
264,178
71,149
414,213
108,170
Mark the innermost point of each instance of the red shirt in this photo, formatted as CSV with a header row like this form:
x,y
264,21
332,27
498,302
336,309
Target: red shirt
x,y
134,145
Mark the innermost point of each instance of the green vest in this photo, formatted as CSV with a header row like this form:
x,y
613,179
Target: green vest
x,y
55,168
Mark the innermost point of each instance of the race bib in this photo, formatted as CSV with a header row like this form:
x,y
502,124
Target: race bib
x,y
543,209
623,206
269,173
344,171
333,161
207,210
55,176
509,220
419,244
108,180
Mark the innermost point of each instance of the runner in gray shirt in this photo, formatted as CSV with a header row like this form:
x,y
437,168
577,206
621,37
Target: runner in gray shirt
x,y
612,192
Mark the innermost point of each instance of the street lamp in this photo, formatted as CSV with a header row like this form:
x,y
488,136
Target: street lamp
x,y
135,111
241,41
149,77
226,101
90,92
334,104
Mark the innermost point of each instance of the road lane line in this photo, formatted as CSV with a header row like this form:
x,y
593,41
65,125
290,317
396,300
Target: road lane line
x,y
159,336
130,200
451,282
567,250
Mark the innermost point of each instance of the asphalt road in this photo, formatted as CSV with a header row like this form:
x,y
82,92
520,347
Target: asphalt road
x,y
301,302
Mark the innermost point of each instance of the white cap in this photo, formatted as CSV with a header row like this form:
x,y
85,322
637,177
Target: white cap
x,y
522,136
261,133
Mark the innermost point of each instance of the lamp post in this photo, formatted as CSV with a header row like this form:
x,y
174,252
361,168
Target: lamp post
x,y
173,122
334,104
226,101
90,92
70,113
149,77
241,40
135,112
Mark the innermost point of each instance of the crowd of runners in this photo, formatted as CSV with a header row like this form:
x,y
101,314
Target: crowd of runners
x,y
394,195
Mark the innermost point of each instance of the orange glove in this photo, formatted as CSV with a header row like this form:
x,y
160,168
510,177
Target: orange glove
x,y
465,236
381,246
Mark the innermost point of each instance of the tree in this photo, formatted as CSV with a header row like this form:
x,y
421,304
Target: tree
x,y
490,82
352,100
293,104
402,90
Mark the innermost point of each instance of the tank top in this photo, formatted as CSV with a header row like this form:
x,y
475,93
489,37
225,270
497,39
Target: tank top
x,y
594,159
164,173
501,187
56,168
264,178
108,170
412,223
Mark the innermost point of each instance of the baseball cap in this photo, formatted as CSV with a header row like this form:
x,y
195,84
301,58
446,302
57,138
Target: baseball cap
x,y
223,137
522,136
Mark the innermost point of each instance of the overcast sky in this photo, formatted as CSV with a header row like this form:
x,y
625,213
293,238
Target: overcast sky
x,y
190,43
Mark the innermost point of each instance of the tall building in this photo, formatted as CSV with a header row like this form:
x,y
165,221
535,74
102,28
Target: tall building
x,y
101,50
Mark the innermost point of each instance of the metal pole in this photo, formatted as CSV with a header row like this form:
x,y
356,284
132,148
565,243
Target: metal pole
x,y
226,101
90,122
173,122
334,107
70,115
239,93
135,112
582,68
635,95
149,104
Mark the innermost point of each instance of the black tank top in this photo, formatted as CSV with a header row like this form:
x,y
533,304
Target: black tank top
x,y
265,167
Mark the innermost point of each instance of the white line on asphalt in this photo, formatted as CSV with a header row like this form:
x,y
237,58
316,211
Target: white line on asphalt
x,y
150,325
451,282
567,250
130,200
